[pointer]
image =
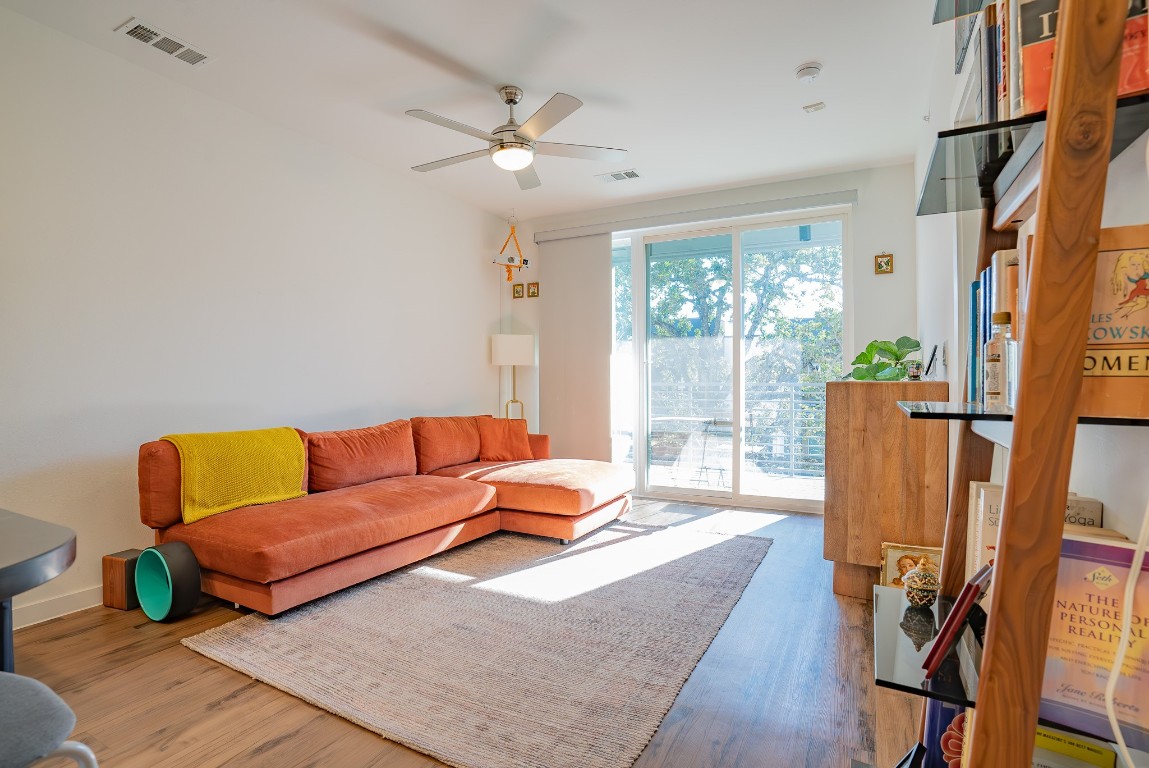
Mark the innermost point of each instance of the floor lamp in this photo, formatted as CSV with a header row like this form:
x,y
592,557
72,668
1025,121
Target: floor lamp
x,y
513,350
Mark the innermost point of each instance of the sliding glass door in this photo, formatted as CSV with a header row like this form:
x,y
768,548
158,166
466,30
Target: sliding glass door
x,y
689,318
741,419
791,332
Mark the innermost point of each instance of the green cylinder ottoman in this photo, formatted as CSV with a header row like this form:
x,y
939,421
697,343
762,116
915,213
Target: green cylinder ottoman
x,y
167,581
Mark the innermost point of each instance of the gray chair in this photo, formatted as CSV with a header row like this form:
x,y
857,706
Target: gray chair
x,y
35,723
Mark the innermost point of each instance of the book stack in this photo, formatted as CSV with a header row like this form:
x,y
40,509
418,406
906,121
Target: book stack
x,y
1082,515
1084,631
995,290
1054,748
1018,39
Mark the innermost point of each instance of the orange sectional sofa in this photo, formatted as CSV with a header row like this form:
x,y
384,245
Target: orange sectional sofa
x,y
381,498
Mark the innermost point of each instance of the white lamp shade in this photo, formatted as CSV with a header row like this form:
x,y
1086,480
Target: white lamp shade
x,y
513,157
512,349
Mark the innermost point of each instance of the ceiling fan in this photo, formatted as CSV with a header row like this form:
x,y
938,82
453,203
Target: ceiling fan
x,y
512,146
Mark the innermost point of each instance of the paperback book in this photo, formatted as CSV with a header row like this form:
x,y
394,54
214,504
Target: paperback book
x,y
1084,632
1116,367
1038,30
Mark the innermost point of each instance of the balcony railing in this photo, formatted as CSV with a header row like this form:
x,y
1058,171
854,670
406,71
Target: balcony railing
x,y
784,428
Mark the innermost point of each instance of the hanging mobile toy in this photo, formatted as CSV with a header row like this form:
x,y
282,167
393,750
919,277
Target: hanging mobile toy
x,y
511,261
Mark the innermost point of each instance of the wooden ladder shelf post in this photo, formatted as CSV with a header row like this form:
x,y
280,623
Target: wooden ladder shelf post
x,y
1074,168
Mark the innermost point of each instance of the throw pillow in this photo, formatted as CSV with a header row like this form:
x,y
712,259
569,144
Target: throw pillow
x,y
445,441
504,440
355,456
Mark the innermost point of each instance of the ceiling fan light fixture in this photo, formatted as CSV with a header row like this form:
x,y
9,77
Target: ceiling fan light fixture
x,y
512,156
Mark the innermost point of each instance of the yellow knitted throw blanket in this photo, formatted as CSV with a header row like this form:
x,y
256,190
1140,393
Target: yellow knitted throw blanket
x,y
225,470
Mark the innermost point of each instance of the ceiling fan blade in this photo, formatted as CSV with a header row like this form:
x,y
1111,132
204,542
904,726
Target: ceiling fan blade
x,y
560,106
580,151
447,122
528,177
451,160
365,24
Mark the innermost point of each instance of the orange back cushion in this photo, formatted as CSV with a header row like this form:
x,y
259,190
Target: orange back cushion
x,y
444,441
504,440
355,456
161,500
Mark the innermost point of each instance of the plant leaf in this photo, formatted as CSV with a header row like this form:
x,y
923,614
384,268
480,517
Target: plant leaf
x,y
893,373
872,348
888,350
861,374
907,345
863,358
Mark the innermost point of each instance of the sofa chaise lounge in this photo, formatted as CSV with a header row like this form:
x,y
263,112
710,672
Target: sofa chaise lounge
x,y
381,498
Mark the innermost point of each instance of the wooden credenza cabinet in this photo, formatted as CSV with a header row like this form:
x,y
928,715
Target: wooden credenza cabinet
x,y
886,477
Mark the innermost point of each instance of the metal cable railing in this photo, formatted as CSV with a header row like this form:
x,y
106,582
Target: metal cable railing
x,y
783,426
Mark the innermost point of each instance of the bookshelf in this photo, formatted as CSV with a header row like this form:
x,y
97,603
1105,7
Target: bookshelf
x,y
1056,176
916,409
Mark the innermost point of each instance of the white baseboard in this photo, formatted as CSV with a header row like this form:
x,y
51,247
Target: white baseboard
x,y
54,607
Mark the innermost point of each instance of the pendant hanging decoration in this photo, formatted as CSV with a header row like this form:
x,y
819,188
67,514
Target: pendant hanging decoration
x,y
511,261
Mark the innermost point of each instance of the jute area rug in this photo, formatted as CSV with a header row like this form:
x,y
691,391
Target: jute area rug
x,y
512,651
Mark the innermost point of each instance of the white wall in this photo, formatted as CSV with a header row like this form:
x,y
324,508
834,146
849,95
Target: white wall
x,y
575,346
881,306
171,264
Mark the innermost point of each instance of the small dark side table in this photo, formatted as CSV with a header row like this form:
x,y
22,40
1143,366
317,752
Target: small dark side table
x,y
31,553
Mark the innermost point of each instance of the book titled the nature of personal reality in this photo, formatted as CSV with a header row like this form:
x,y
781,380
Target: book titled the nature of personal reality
x,y
1085,629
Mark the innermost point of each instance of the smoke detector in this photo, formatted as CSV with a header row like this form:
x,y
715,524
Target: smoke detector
x,y
808,72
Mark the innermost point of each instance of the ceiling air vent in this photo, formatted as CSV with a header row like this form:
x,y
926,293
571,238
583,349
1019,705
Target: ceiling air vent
x,y
156,38
619,175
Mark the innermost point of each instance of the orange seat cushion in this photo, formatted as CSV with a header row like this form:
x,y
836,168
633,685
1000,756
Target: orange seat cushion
x,y
356,456
274,541
554,486
504,440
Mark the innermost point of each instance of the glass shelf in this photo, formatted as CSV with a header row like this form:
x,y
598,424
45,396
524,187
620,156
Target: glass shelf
x,y
948,10
975,412
899,627
898,630
968,161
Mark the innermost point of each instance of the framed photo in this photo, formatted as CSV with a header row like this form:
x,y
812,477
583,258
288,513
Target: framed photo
x,y
532,290
900,559
884,264
517,291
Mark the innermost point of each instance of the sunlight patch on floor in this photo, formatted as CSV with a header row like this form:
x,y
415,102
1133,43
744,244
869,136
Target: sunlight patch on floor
x,y
577,573
733,522
440,575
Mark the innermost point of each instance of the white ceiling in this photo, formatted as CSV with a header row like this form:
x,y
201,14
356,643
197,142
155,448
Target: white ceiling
x,y
701,94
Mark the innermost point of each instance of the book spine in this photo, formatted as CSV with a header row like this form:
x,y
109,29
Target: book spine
x,y
973,353
1015,102
1080,510
1003,59
1085,752
1038,28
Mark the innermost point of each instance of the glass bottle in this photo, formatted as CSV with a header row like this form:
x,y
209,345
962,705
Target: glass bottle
x,y
1000,367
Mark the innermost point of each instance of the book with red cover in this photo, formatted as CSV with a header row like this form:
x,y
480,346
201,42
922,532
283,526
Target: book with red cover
x,y
956,620
1038,35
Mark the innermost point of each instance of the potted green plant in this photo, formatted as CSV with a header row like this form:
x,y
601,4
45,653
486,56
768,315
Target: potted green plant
x,y
884,360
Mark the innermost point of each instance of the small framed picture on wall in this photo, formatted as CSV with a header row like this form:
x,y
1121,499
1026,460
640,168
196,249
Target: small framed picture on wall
x,y
517,291
532,290
884,264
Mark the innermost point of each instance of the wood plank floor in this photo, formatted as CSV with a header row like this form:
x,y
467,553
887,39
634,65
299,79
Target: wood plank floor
x,y
787,682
